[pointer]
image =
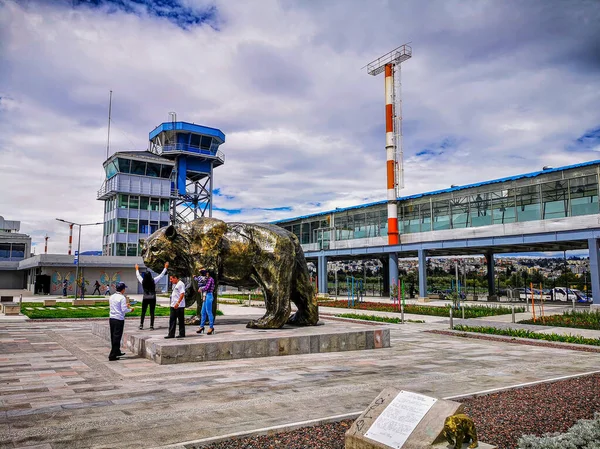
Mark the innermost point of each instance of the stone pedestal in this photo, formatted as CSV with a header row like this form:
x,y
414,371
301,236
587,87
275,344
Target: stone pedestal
x,y
427,434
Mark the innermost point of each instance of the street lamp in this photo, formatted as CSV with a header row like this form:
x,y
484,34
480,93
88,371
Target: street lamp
x,y
71,223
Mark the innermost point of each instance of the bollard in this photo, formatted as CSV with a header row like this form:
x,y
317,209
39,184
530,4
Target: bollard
x,y
451,321
402,313
513,313
526,305
463,311
573,305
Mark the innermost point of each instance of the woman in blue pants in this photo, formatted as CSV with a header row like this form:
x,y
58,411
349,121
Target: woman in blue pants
x,y
207,288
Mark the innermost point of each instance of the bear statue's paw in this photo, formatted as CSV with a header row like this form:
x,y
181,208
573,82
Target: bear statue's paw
x,y
298,319
263,324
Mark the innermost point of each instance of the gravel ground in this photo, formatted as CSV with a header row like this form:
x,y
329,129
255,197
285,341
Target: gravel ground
x,y
500,418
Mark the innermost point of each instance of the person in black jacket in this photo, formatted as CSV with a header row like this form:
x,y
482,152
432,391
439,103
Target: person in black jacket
x,y
149,298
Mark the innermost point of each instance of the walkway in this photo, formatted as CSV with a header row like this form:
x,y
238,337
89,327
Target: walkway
x,y
58,390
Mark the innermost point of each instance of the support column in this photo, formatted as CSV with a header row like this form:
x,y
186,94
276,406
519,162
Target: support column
x,y
594,273
393,269
385,270
489,259
422,274
322,273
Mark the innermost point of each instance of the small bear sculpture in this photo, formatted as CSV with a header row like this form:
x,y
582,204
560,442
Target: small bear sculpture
x,y
459,429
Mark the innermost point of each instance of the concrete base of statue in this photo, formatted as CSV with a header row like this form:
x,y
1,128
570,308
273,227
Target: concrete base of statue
x,y
233,340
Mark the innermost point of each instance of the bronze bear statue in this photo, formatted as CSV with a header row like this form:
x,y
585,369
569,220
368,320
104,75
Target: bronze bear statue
x,y
241,255
459,429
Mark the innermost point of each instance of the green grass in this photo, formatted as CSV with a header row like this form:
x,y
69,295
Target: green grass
x,y
381,319
525,333
571,318
242,297
88,312
471,311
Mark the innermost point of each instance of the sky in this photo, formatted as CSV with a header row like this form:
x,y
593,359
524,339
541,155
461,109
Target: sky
x,y
493,89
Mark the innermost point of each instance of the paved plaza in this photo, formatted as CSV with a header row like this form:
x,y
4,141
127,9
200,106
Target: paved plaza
x,y
58,390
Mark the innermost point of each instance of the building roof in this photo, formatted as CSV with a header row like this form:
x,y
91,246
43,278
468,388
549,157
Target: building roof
x,y
190,127
451,189
140,154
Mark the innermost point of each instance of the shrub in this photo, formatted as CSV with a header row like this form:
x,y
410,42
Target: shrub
x,y
525,333
571,318
381,319
585,434
471,311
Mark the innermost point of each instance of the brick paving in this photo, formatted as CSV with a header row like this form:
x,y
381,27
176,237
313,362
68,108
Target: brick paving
x,y
58,390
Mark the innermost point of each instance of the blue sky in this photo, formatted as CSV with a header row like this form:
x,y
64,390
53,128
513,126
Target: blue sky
x,y
494,89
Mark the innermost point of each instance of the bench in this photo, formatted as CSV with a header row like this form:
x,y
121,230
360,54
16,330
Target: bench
x,y
49,302
11,308
6,298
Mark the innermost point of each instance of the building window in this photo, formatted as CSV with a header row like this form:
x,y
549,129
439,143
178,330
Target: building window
x,y
305,233
132,249
460,212
584,195
122,225
481,214
138,168
360,229
153,170
133,226
205,142
165,171
144,227
555,199
123,200
154,204
164,224
528,203
503,207
18,250
111,169
410,219
4,250
121,249
144,203
134,202
441,215
164,205
124,165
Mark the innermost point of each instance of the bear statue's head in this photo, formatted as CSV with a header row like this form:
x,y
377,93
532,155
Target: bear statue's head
x,y
167,245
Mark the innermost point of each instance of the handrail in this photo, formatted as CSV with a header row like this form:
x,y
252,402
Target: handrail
x,y
192,148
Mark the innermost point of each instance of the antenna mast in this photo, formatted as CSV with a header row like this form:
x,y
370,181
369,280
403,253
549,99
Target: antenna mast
x,y
109,114
390,63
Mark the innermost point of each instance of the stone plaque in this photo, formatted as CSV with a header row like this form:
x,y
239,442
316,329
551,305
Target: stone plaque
x,y
398,420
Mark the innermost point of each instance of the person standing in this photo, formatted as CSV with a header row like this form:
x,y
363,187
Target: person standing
x,y
65,287
97,287
118,309
177,309
82,290
149,298
207,288
107,291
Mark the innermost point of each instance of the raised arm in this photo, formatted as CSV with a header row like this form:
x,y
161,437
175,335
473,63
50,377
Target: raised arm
x,y
137,273
162,274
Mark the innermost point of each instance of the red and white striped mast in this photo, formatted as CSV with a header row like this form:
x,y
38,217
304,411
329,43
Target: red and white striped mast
x,y
390,64
70,237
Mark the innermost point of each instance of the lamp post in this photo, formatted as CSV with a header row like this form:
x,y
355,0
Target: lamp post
x,y
71,223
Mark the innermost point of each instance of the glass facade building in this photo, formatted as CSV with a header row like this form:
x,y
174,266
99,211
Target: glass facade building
x,y
566,192
137,197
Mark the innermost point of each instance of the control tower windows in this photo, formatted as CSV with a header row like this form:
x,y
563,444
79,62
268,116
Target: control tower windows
x,y
153,170
124,165
205,142
138,168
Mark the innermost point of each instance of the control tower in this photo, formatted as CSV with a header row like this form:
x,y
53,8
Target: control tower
x,y
194,149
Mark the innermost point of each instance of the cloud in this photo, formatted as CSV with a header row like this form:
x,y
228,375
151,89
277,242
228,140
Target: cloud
x,y
493,89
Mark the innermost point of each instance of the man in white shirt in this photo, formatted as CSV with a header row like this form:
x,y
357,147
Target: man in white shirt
x,y
118,309
177,310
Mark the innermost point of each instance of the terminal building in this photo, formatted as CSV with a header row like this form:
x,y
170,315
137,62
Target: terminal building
x,y
553,209
14,248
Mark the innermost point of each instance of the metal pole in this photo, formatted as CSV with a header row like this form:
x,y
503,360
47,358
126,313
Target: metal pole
x,y
513,313
451,320
109,113
402,312
78,255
